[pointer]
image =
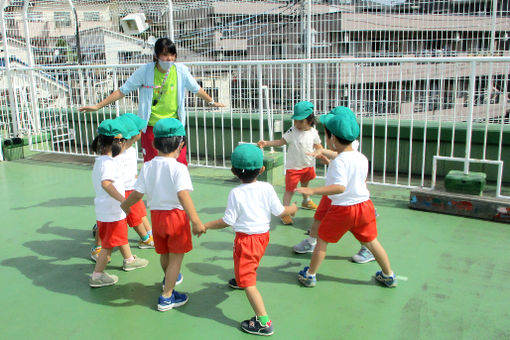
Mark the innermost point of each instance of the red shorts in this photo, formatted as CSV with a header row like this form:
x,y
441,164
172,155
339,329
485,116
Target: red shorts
x,y
171,231
113,234
248,250
323,208
149,152
359,219
137,211
293,177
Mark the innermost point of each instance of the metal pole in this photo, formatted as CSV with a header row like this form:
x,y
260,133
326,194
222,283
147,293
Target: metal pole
x,y
30,57
171,20
12,102
261,102
308,48
472,79
493,26
76,32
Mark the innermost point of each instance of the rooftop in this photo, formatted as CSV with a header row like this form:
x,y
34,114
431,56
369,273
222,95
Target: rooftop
x,y
453,274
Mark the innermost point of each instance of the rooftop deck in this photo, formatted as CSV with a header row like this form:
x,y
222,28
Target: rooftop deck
x,y
453,271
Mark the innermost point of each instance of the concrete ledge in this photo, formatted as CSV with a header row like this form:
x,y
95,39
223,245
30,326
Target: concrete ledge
x,y
493,209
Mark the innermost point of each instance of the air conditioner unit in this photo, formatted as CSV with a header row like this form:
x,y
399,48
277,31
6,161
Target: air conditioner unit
x,y
134,23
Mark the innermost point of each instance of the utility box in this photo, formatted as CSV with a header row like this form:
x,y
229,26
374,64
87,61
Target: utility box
x,y
472,183
274,174
13,149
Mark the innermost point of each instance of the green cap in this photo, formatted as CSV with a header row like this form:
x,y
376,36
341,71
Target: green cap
x,y
324,118
131,128
344,125
247,157
112,127
302,110
139,122
168,127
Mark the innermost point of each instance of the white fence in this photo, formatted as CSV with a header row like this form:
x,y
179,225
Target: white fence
x,y
417,114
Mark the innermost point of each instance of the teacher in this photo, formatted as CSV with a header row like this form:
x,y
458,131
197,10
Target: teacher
x,y
162,84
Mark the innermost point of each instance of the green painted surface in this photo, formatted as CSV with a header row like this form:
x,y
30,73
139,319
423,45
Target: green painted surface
x,y
454,271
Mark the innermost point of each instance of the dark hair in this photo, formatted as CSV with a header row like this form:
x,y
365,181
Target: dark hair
x,y
246,176
343,141
102,143
164,45
168,144
328,133
311,119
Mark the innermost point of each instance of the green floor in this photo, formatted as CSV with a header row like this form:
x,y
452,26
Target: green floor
x,y
454,272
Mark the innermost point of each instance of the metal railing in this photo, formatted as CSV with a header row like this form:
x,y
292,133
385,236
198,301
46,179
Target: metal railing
x,y
413,112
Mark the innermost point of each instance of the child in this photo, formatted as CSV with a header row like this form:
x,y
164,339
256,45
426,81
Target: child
x,y
308,244
109,188
351,208
249,211
302,139
127,160
167,184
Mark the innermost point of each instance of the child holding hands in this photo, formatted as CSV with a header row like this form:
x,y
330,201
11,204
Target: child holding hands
x,y
351,208
109,188
302,139
248,211
167,184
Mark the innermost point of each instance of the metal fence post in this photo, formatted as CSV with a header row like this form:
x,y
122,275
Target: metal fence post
x,y
472,80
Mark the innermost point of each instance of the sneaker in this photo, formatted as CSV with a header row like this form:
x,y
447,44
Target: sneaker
x,y
103,281
253,326
363,256
304,247
149,244
178,282
94,253
388,281
309,205
233,284
94,230
305,279
175,300
286,219
135,264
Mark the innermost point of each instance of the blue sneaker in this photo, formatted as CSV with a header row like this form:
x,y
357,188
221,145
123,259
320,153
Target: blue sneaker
x,y
305,279
388,281
175,300
178,282
253,326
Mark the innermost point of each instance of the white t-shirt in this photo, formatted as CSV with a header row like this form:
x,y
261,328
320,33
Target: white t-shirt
x,y
107,208
161,179
128,166
299,143
250,206
349,169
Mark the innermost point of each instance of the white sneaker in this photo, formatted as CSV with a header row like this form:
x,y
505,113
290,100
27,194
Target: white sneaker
x,y
304,247
363,256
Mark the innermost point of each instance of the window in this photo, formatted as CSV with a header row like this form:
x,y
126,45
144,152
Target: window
x,y
35,16
91,16
62,19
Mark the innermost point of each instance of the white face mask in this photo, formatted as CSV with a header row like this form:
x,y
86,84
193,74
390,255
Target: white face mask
x,y
165,65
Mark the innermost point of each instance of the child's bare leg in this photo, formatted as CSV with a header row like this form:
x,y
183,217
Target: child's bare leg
x,y
173,267
102,260
146,224
98,239
256,302
380,256
305,185
140,230
125,250
315,228
287,197
318,256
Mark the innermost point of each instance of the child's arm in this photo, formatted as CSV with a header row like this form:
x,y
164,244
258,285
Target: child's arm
x,y
197,226
108,186
264,143
289,210
327,190
217,224
134,197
